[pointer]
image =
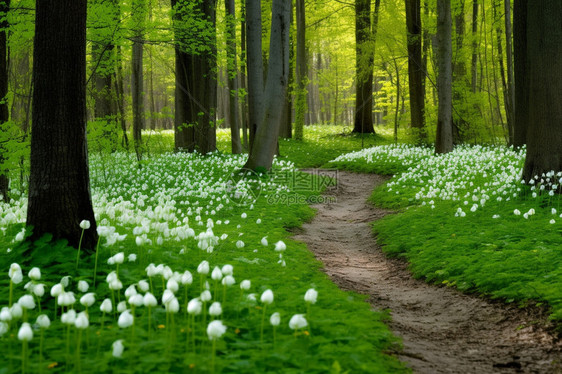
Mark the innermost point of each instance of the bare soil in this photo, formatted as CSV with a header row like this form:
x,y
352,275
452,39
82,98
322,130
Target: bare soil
x,y
442,329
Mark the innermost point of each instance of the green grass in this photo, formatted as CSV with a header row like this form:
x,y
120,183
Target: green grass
x,y
456,223
177,183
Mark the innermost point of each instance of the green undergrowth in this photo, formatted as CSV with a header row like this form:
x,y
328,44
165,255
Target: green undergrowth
x,y
344,334
466,220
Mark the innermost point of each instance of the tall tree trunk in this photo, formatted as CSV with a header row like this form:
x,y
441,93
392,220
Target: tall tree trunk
x,y
544,64
497,19
119,89
415,68
444,140
364,57
521,79
460,83
301,76
4,111
59,186
264,147
510,93
232,72
254,62
474,60
137,75
243,77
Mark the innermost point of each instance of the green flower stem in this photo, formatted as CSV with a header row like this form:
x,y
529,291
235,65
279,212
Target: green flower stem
x,y
149,321
11,293
262,322
79,246
23,356
96,261
78,346
41,351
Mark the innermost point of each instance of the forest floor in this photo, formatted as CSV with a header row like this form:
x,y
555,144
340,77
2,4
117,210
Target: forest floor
x,y
442,329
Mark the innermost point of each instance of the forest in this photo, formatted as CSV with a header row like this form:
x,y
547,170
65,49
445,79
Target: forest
x,y
284,186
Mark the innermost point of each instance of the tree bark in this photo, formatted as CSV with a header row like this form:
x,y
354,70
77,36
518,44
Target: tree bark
x,y
544,64
243,78
444,140
510,108
4,111
254,61
474,60
415,68
137,79
301,76
264,147
521,119
364,57
232,72
59,186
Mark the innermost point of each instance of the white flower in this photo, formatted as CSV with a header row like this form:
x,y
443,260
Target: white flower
x,y
194,306
275,319
85,224
310,296
56,290
121,307
203,267
118,348
240,244
258,221
15,273
132,257
228,281
38,290
205,296
43,321
69,317
82,321
243,215
35,274
143,285
5,314
4,327
126,319
267,297
186,278
227,269
136,300
280,246
297,322
83,286
245,284
88,299
17,311
149,300
215,330
251,297
517,212
66,298
552,222
216,275
172,285
215,309
27,302
119,258
106,306
25,333
173,306
264,241
65,281
167,296
151,270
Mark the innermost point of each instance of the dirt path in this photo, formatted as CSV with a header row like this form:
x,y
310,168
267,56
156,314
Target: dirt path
x,y
443,330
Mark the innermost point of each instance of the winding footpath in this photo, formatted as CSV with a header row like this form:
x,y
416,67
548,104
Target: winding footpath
x,y
443,330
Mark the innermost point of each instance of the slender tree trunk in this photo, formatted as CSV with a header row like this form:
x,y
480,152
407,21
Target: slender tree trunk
x,y
137,79
444,141
119,89
364,56
474,60
415,68
4,111
254,61
264,146
301,99
544,64
59,186
504,80
510,93
521,119
231,72
243,78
